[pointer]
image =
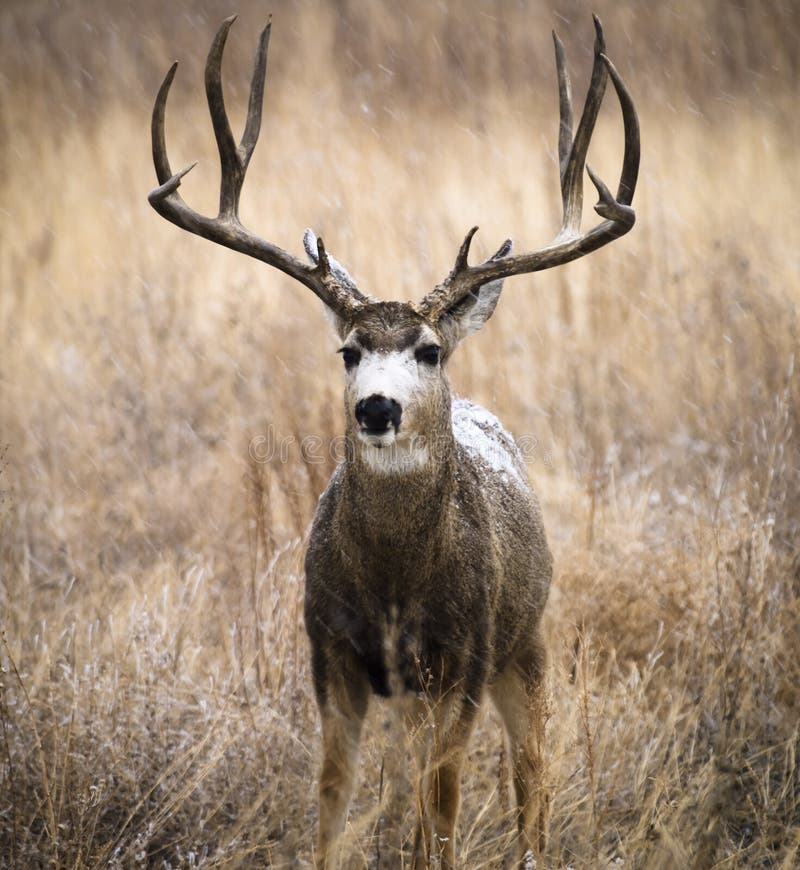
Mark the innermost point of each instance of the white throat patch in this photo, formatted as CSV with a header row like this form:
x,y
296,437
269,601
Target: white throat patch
x,y
400,457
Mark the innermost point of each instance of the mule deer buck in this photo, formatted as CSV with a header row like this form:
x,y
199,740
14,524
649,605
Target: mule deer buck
x,y
427,567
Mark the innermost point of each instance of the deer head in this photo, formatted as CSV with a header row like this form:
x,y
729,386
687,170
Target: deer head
x,y
396,392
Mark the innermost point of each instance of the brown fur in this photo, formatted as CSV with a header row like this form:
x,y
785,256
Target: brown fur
x,y
432,583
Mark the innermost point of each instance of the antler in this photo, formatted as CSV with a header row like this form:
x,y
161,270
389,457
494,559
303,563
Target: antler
x,y
570,244
331,284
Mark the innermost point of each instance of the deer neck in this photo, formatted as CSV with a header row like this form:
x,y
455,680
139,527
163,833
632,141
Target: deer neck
x,y
403,511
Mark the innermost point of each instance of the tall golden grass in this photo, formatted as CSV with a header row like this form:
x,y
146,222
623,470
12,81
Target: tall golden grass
x,y
155,706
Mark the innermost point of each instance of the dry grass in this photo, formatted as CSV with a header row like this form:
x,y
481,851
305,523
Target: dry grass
x,y
155,707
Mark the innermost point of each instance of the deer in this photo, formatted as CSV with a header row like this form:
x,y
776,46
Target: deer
x,y
427,567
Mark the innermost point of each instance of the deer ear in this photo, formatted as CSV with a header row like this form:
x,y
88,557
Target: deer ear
x,y
339,326
468,314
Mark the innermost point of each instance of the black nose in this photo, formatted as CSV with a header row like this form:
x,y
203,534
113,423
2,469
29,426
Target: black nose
x,y
377,414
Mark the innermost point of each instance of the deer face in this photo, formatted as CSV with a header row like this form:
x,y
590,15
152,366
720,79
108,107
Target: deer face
x,y
397,398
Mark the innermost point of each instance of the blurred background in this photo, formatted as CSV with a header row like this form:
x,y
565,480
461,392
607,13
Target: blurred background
x,y
155,699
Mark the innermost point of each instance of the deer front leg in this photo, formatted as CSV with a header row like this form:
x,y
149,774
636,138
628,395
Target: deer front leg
x,y
437,820
342,706
519,695
440,784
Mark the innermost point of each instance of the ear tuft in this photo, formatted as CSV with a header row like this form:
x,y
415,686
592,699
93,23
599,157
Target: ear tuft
x,y
337,269
339,326
503,251
310,244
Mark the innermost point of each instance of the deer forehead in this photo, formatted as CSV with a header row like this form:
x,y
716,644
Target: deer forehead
x,y
390,339
389,326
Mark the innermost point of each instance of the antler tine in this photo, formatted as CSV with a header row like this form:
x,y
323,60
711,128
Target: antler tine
x,y
252,126
564,106
572,173
232,174
618,209
462,260
225,229
157,134
169,182
234,160
570,244
630,120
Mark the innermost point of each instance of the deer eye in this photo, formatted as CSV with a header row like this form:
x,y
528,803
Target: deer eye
x,y
429,354
351,357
